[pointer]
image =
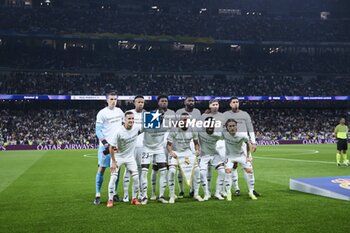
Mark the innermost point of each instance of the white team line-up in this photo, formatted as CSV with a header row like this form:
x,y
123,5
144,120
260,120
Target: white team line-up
x,y
267,158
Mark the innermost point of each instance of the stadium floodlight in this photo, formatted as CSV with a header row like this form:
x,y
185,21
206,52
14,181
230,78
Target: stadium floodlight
x,y
202,10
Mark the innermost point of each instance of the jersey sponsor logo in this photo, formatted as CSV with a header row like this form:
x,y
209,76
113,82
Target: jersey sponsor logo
x,y
343,183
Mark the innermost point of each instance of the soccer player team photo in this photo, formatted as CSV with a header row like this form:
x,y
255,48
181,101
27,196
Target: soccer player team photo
x,y
174,115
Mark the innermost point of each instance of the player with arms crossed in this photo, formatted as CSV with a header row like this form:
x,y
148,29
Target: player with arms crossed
x,y
122,150
234,142
108,119
245,126
139,103
210,157
179,146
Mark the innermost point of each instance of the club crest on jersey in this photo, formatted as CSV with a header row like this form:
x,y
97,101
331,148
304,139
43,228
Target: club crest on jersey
x,y
343,183
151,120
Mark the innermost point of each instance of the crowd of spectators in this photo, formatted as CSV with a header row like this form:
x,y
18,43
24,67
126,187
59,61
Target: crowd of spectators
x,y
248,27
37,127
175,61
295,124
150,84
70,126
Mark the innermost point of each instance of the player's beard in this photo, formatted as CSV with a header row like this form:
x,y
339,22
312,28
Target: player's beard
x,y
190,106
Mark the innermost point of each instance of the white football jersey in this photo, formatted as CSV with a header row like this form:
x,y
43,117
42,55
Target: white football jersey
x,y
208,142
125,140
111,119
195,114
181,139
244,122
233,143
138,123
153,140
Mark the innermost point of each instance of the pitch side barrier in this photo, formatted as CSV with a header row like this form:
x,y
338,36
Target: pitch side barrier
x,y
92,146
49,147
295,142
172,97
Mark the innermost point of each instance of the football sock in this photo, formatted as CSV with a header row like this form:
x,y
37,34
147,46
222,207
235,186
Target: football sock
x,y
338,157
162,181
135,185
171,181
220,179
235,179
126,182
249,177
99,181
144,182
204,180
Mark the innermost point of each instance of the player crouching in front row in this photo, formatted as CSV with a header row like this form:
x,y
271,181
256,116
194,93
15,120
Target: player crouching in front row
x,y
234,153
122,147
179,149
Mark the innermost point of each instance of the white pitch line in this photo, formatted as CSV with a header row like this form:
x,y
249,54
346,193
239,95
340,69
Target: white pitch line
x,y
90,156
308,152
295,160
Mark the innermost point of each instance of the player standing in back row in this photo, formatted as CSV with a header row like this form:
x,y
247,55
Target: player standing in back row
x,y
167,116
107,121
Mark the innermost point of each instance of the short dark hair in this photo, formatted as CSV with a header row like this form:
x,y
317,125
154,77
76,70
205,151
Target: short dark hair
x,y
139,96
128,113
230,120
184,114
233,98
187,97
162,97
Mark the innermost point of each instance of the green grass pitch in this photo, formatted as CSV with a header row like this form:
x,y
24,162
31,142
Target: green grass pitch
x,y
52,191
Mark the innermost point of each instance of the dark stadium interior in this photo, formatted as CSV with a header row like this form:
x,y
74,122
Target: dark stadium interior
x,y
202,48
88,145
